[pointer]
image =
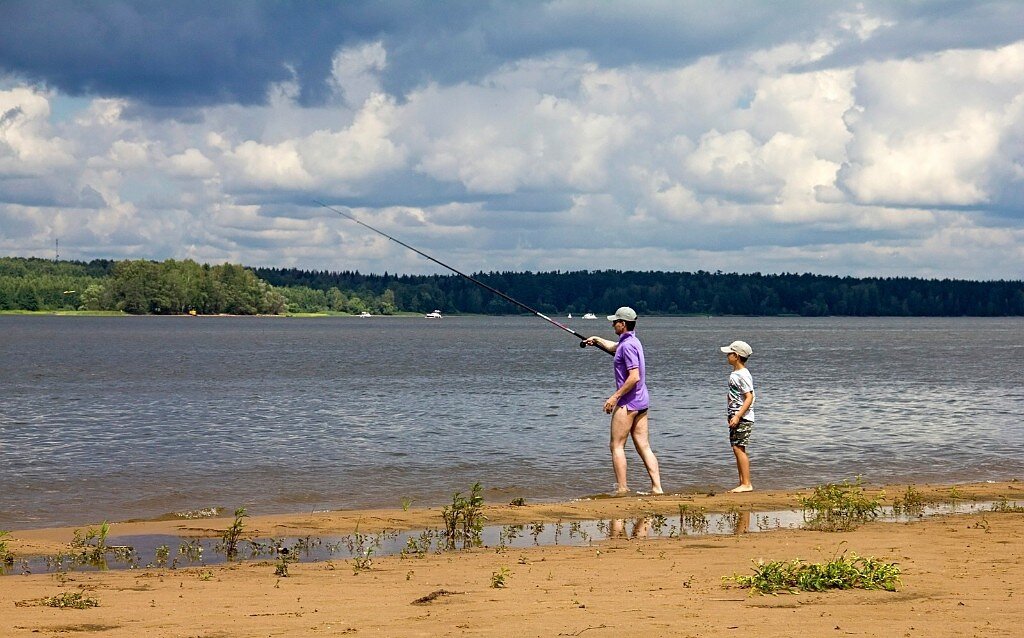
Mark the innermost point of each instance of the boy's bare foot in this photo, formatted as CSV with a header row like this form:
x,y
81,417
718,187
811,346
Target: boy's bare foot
x,y
742,488
620,491
657,490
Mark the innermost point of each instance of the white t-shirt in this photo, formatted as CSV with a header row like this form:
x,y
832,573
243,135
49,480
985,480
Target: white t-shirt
x,y
740,382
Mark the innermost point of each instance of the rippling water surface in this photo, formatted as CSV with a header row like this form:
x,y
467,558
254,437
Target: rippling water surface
x,y
114,418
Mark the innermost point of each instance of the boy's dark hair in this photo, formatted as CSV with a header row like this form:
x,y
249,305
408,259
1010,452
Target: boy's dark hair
x,y
743,360
630,325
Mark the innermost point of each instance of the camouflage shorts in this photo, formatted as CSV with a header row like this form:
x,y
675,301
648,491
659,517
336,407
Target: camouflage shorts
x,y
740,434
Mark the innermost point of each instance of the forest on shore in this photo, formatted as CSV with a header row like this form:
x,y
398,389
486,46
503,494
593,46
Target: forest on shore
x,y
183,286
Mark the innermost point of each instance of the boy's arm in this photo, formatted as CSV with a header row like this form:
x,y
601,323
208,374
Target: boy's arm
x,y
748,400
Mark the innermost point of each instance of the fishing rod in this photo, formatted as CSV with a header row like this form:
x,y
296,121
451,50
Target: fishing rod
x,y
538,313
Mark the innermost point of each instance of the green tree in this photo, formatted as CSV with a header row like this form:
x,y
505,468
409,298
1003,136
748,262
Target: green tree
x,y
95,297
26,298
133,286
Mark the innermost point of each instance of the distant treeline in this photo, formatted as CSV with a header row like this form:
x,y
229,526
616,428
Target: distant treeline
x,y
177,287
674,293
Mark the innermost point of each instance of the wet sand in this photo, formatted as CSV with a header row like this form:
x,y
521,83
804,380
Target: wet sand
x,y
962,575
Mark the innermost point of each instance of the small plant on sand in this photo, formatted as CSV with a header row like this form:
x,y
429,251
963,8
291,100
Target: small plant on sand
x,y
464,519
835,507
362,548
499,579
406,503
6,557
231,536
910,503
518,502
285,556
842,572
71,600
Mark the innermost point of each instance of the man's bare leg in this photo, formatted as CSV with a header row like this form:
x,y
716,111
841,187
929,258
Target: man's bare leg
x,y
643,448
622,422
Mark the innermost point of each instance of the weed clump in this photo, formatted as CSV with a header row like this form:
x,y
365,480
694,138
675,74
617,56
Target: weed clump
x,y
362,549
6,557
93,544
1002,506
71,600
285,557
231,536
911,502
836,507
464,520
91,549
499,579
853,572
162,555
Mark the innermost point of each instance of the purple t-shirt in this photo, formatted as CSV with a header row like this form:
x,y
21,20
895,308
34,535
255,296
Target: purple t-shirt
x,y
629,355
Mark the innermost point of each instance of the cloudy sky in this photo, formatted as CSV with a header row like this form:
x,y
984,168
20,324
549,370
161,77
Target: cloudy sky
x,y
851,138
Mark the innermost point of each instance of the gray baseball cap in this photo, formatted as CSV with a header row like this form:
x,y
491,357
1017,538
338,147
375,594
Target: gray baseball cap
x,y
741,348
624,313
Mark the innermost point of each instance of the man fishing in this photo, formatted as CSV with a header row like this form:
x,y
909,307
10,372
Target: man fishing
x,y
628,404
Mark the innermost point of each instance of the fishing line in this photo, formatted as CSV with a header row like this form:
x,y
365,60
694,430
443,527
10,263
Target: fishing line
x,y
464,275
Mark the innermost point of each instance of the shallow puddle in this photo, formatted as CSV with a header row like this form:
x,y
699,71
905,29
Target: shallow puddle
x,y
168,551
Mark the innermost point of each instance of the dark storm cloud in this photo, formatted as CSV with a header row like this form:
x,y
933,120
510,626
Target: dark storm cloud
x,y
49,192
192,52
183,52
922,28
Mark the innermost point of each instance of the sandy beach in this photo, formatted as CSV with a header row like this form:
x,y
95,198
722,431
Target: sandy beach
x,y
961,576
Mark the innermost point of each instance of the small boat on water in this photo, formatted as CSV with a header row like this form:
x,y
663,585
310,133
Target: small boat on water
x,y
365,314
570,316
433,315
590,315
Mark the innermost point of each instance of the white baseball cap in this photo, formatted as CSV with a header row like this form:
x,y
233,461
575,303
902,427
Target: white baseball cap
x,y
624,313
741,348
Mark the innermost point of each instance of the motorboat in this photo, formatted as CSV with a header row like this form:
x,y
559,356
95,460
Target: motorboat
x,y
433,315
365,314
590,315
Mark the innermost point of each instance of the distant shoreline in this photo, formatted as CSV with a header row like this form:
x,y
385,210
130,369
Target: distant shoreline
x,y
314,315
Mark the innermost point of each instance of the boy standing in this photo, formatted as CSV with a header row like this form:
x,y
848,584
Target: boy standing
x,y
740,409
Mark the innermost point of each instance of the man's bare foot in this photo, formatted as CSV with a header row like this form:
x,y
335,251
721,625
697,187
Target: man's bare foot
x,y
742,488
620,491
657,490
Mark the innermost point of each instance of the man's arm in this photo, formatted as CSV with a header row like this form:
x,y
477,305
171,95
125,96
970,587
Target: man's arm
x,y
631,380
604,344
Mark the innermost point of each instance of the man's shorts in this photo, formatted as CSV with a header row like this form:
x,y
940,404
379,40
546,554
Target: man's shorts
x,y
739,435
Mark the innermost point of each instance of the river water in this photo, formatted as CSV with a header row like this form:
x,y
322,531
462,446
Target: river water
x,y
128,417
